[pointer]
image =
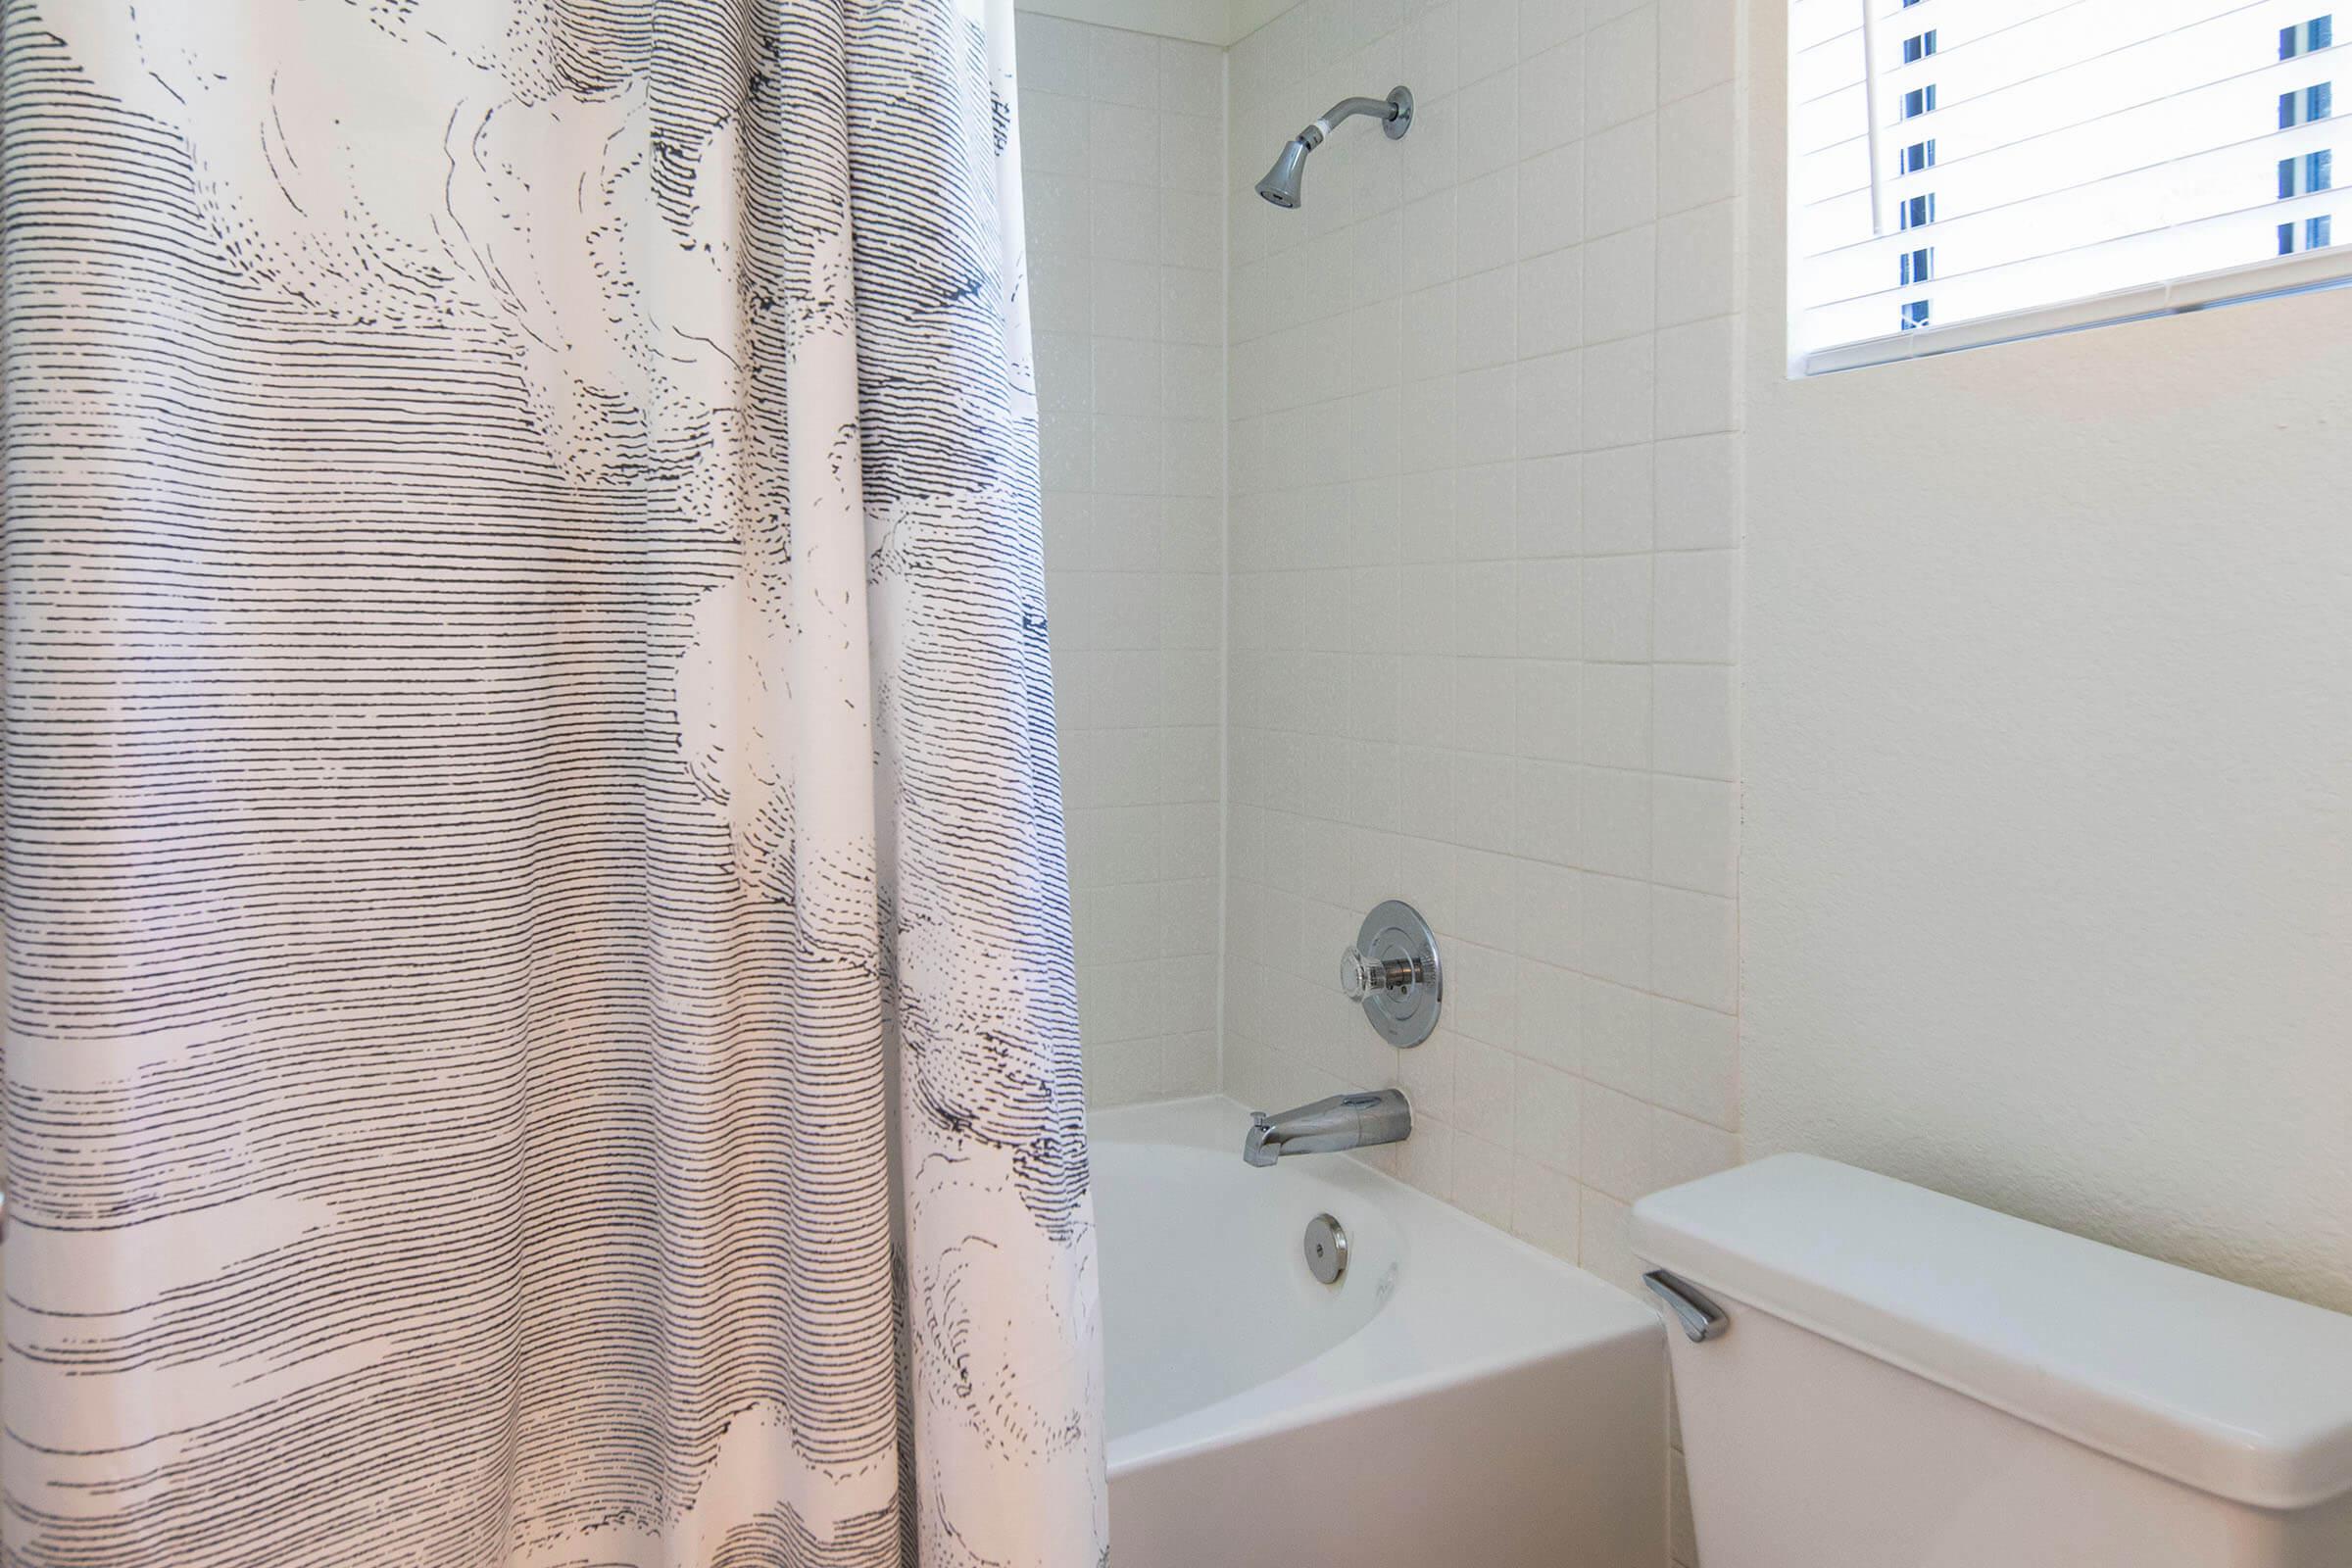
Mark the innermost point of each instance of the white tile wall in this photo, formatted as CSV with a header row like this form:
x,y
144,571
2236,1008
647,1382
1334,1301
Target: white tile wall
x,y
1122,146
1483,559
1484,568
1468,546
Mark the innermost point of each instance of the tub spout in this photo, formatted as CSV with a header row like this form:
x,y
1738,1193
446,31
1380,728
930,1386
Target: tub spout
x,y
1343,1121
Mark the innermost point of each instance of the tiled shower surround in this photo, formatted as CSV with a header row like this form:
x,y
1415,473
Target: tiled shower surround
x,y
1123,158
1450,614
1483,557
1474,523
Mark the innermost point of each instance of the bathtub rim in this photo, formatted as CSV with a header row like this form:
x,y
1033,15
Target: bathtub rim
x,y
1385,1360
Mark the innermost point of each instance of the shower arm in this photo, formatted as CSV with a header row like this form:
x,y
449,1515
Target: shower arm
x,y
1346,109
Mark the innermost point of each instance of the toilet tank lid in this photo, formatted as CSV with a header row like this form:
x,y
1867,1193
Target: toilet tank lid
x,y
2237,1393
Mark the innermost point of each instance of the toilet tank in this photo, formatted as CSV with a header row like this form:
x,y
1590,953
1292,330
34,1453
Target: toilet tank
x,y
1903,1380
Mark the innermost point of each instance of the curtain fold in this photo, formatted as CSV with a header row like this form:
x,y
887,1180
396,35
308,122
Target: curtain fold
x,y
540,1017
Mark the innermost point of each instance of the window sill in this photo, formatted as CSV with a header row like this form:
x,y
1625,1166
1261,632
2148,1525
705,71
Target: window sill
x,y
2274,275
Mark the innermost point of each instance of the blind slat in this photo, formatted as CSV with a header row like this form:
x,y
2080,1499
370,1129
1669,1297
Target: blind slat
x,y
2037,155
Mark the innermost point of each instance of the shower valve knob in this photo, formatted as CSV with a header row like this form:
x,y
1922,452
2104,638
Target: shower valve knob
x,y
1362,975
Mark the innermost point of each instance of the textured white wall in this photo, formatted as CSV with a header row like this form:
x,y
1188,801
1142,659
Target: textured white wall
x,y
1122,154
2047,879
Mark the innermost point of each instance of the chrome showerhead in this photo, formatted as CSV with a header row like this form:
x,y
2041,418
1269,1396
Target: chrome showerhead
x,y
1281,185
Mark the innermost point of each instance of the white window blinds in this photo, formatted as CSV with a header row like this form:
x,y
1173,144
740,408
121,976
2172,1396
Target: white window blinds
x,y
1966,170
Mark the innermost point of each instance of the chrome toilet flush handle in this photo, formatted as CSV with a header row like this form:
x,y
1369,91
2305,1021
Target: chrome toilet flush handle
x,y
1702,1320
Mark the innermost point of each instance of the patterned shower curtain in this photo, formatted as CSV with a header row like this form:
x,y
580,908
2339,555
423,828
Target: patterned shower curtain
x,y
540,1022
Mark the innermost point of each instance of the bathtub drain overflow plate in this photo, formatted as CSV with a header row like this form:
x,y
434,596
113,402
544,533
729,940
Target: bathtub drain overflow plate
x,y
1326,1249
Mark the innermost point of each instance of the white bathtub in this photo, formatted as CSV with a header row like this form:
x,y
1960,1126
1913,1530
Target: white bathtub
x,y
1458,1397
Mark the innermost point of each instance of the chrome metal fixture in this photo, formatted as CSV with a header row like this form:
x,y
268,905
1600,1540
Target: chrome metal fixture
x,y
1281,185
1392,971
1702,1320
1326,1249
1328,1126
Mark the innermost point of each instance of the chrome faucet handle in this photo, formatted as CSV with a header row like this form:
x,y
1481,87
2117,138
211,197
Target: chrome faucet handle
x,y
1363,975
1392,973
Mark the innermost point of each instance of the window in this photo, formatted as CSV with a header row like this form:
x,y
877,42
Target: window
x,y
2093,160
2316,102
2302,38
2317,233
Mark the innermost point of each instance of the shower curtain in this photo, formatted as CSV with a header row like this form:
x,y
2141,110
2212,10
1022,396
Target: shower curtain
x,y
540,1012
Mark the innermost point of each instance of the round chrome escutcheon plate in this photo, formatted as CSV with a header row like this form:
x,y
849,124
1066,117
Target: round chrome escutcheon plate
x,y
1326,1249
1395,930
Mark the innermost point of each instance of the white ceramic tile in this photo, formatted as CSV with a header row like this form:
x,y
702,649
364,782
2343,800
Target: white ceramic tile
x,y
1547,1115
1482,1179
1489,37
1694,721
1548,397
1546,724
1122,67
1618,501
1551,609
1549,1025
1428,52
1697,366
1696,1057
1705,35
1551,508
1621,67
1552,200
1545,23
1698,608
1615,1030
1432,236
1618,1136
1541,808
1617,715
1191,77
1127,376
1482,1091
1545,1206
1683,1149
1697,494
1621,187
1551,299
1551,97
1053,54
1617,609
1487,323
1485,415
1487,210
1694,937
1698,256
1191,153
1694,833
1614,833
1616,931
1697,150
1548,902
1620,381
1621,284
